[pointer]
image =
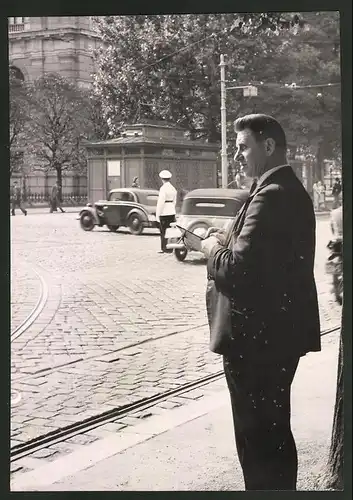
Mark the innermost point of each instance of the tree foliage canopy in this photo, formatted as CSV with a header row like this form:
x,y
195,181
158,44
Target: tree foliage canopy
x,y
19,115
166,67
57,122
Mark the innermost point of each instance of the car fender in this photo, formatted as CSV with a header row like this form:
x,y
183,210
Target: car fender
x,y
143,214
92,211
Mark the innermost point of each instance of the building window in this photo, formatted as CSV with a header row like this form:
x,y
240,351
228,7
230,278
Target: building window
x,y
16,24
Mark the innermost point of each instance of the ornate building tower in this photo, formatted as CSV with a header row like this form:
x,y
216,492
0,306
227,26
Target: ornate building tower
x,y
39,45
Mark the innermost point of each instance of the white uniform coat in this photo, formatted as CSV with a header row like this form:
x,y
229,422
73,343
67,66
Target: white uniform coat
x,y
166,200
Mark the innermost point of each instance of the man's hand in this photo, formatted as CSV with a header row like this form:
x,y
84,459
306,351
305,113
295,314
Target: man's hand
x,y
218,233
208,244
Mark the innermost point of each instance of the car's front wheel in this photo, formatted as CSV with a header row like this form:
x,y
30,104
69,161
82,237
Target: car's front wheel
x,y
87,222
113,229
135,224
180,254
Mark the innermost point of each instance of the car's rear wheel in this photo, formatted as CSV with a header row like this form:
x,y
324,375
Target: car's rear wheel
x,y
135,224
87,222
180,253
113,229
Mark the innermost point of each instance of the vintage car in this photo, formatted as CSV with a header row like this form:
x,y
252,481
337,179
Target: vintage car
x,y
129,207
201,210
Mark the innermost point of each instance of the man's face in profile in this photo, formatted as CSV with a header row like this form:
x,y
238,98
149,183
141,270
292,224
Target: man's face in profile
x,y
251,154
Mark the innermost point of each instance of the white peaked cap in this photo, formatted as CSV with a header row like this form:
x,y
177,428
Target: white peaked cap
x,y
165,174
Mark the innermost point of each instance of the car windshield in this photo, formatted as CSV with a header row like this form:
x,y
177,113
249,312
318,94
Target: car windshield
x,y
222,207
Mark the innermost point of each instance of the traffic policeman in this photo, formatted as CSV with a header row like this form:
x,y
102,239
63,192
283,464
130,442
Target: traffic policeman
x,y
165,212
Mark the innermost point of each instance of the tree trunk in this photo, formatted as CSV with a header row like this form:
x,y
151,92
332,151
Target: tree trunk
x,y
335,462
59,178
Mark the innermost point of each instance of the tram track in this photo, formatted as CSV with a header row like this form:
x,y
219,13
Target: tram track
x,y
62,434
33,315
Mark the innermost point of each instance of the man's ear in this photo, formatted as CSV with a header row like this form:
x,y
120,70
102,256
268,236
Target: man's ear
x,y
270,146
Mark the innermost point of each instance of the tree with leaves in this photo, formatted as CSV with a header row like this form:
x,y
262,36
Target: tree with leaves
x,y
166,67
58,125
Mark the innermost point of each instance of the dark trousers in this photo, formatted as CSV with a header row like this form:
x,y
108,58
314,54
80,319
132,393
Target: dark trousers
x,y
17,204
55,204
260,398
164,223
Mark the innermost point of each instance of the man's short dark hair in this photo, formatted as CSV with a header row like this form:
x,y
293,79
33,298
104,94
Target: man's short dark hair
x,y
263,127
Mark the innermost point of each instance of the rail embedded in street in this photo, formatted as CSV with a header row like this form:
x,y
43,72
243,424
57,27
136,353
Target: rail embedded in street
x,y
62,434
42,299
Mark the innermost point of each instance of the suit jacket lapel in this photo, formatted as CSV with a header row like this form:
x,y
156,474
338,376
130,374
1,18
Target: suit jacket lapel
x,y
239,218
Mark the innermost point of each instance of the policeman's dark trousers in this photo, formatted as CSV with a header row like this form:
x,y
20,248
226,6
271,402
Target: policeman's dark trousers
x,y
164,223
260,399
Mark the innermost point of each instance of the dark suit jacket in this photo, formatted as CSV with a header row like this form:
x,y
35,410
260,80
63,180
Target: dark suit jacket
x,y
267,271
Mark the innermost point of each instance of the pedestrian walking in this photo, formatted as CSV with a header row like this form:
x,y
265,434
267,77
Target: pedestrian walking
x,y
55,198
135,182
16,199
336,192
319,196
165,212
262,303
316,195
322,195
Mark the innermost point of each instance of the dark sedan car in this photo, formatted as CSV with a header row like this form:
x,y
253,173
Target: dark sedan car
x,y
129,207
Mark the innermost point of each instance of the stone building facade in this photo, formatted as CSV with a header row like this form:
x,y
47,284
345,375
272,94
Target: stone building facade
x,y
39,45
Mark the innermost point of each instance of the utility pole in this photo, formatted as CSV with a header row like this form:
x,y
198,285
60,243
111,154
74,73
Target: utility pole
x,y
224,157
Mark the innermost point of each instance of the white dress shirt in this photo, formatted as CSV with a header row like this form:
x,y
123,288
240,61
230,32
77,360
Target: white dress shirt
x,y
166,200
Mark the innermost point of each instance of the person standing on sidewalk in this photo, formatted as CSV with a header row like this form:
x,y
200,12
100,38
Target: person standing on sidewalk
x,y
262,303
336,192
316,196
16,199
165,212
322,195
55,198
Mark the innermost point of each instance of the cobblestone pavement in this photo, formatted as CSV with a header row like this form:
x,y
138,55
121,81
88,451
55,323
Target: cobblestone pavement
x,y
120,321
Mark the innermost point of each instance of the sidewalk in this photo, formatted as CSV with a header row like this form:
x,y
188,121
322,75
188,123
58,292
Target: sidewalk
x,y
192,448
45,210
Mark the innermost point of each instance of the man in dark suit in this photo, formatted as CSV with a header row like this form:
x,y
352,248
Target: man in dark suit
x,y
55,198
265,271
16,198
